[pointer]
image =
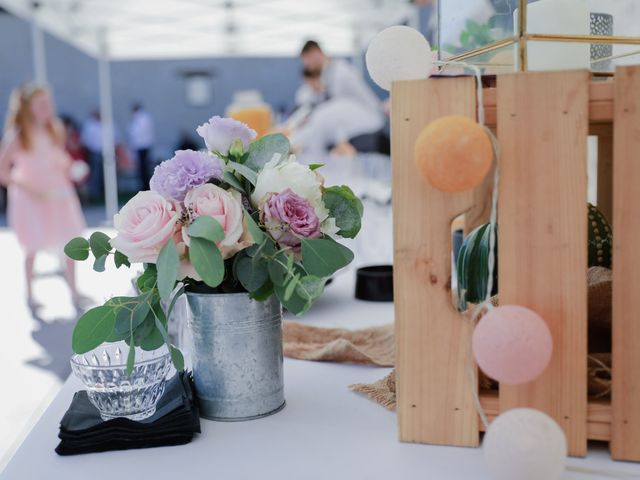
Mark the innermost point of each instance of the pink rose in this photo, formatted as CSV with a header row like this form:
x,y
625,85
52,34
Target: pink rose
x,y
144,225
224,206
289,217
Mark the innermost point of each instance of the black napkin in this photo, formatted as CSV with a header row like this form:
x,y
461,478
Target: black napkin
x,y
176,419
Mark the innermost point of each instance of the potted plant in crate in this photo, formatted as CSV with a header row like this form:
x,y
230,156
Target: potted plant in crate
x,y
241,230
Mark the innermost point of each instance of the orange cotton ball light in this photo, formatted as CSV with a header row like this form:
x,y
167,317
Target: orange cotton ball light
x,y
453,153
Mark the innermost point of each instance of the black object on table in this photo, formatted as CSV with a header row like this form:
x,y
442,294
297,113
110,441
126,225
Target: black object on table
x,y
375,283
175,421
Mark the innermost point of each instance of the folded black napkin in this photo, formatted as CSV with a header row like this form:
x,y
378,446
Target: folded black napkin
x,y
176,419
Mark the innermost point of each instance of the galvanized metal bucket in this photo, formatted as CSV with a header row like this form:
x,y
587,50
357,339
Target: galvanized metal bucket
x,y
236,350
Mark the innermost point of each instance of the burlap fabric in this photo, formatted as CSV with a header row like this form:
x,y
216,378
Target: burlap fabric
x,y
375,346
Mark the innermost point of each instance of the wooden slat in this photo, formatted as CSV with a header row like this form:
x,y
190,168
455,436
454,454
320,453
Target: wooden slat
x,y
600,103
598,415
625,434
435,403
542,129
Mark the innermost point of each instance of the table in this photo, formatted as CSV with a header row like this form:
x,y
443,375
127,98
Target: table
x,y
325,431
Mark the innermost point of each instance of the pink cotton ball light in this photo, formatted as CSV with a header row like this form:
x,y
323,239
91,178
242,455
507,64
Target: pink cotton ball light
x,y
512,344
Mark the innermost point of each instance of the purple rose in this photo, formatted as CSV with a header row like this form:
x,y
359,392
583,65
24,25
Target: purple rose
x,y
175,177
289,217
220,133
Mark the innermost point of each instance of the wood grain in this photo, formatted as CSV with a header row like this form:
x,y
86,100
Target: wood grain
x,y
542,129
625,428
435,402
605,170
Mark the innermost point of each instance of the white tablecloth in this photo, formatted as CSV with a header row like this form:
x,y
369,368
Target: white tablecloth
x,y
324,432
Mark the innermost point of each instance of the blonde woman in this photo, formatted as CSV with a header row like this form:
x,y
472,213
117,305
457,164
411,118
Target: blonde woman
x,y
43,207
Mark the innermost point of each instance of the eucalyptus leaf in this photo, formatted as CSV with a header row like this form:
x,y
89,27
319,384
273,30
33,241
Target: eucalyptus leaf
x,y
290,287
245,171
310,287
346,208
177,358
99,244
77,249
176,355
99,263
278,269
231,179
92,329
207,228
295,304
323,257
262,150
131,357
256,232
148,279
176,295
207,261
251,276
120,259
167,266
316,166
153,340
263,293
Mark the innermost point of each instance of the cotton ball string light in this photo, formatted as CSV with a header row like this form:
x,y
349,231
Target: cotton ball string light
x,y
453,153
525,444
398,53
512,344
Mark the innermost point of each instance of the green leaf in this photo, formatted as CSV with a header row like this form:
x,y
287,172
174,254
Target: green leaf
x,y
92,329
167,266
278,268
153,340
99,263
261,151
263,293
99,243
310,287
177,358
120,259
174,299
148,279
251,276
231,179
245,171
77,249
131,357
256,232
176,355
346,208
322,258
132,312
290,287
207,261
207,228
316,166
295,304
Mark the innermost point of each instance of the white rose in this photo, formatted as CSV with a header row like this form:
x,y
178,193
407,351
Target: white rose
x,y
282,173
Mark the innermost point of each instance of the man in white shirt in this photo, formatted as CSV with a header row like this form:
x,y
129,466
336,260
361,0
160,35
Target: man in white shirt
x,y
344,106
141,139
91,139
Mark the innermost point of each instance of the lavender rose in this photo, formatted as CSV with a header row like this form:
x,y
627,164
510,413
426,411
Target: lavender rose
x,y
221,133
186,170
289,217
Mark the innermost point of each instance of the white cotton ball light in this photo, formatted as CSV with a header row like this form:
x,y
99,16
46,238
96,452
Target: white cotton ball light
x,y
525,444
398,53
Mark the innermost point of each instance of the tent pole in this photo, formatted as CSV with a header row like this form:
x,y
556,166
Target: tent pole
x,y
108,142
38,51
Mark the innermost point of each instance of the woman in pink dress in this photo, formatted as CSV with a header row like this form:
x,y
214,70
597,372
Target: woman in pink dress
x,y
43,207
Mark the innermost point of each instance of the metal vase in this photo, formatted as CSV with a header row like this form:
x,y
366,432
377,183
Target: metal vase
x,y
236,349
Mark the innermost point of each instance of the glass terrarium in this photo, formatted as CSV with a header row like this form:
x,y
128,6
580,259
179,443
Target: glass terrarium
x,y
509,35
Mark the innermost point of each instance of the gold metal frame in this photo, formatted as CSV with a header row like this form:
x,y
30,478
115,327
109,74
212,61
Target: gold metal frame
x,y
523,37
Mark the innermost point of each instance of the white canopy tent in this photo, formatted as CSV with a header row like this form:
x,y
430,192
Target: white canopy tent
x,y
162,29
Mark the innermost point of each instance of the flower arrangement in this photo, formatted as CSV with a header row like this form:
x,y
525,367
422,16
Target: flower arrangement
x,y
243,216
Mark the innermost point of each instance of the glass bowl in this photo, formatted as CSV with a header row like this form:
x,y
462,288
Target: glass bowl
x,y
103,371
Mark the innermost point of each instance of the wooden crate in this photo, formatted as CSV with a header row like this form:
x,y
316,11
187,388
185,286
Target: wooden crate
x,y
542,121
